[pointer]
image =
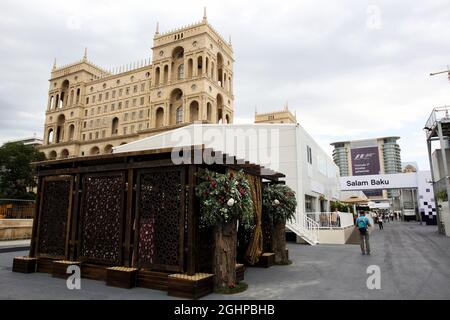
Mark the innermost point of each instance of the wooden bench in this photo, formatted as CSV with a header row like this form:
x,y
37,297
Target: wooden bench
x,y
59,268
24,265
122,277
191,287
266,260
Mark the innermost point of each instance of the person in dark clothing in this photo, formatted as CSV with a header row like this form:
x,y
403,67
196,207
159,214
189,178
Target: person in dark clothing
x,y
380,222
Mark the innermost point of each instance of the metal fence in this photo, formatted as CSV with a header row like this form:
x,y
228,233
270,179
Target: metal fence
x,y
16,209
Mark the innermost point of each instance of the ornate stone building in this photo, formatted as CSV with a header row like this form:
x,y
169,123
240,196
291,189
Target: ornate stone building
x,y
91,110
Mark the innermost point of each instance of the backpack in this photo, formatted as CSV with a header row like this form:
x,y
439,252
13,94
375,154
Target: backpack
x,y
362,226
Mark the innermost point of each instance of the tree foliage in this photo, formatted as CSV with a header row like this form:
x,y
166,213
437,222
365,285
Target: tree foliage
x,y
279,202
224,197
16,173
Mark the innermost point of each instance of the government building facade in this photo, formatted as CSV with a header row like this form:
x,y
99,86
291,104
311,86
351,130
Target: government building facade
x,y
91,110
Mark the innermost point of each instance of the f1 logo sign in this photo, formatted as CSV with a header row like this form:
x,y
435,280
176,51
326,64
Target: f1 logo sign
x,y
364,156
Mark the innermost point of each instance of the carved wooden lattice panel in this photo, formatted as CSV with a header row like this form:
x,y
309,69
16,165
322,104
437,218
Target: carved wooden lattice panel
x,y
102,218
56,197
160,204
267,230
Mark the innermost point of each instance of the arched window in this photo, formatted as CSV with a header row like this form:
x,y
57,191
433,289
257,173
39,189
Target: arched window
x,y
176,101
193,111
157,75
94,150
159,118
219,100
108,148
227,119
209,112
181,72
78,96
60,128
178,53
220,69
190,68
199,65
52,154
207,66
50,136
166,73
50,102
71,97
71,132
179,115
115,126
64,154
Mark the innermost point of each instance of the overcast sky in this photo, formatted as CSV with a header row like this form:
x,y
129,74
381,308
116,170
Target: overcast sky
x,y
353,70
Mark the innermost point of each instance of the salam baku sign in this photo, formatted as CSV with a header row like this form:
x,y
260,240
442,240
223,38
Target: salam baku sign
x,y
380,182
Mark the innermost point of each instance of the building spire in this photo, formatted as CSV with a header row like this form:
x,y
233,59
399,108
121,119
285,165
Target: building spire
x,y
286,107
229,40
85,54
205,18
157,28
54,64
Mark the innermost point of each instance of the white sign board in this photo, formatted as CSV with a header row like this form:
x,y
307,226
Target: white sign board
x,y
380,181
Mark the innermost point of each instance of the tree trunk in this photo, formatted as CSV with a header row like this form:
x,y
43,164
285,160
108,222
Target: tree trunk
x,y
225,238
279,242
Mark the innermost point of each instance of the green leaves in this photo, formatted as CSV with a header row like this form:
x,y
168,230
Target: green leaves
x,y
279,202
16,172
223,198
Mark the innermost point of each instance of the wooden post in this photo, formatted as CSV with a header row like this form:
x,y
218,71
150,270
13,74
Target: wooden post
x,y
192,223
75,214
129,219
37,212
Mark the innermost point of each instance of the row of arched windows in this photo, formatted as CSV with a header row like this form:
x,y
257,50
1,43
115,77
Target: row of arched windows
x,y
203,65
64,98
92,151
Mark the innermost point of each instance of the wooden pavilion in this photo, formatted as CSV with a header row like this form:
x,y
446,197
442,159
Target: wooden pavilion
x,y
130,219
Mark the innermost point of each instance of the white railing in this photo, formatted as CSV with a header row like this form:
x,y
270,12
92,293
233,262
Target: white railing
x,y
305,227
326,220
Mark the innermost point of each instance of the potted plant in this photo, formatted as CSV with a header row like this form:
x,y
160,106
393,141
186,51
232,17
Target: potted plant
x,y
225,200
279,203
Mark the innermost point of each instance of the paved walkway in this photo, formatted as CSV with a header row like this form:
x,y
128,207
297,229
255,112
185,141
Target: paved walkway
x,y
414,262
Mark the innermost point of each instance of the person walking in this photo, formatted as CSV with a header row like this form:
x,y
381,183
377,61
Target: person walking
x,y
392,216
363,223
380,222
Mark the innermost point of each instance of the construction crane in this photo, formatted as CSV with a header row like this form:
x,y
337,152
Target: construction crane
x,y
440,72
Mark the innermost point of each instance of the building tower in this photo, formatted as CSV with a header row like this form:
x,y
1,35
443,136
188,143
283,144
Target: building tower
x,y
193,76
382,156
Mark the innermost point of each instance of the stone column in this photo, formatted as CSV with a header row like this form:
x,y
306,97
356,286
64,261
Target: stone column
x,y
195,66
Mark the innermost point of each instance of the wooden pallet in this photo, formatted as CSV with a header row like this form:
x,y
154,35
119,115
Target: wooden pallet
x,y
24,264
121,277
266,260
94,272
59,268
44,265
191,287
153,280
240,271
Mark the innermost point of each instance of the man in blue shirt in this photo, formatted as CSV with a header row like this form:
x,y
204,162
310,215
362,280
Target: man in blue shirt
x,y
362,223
